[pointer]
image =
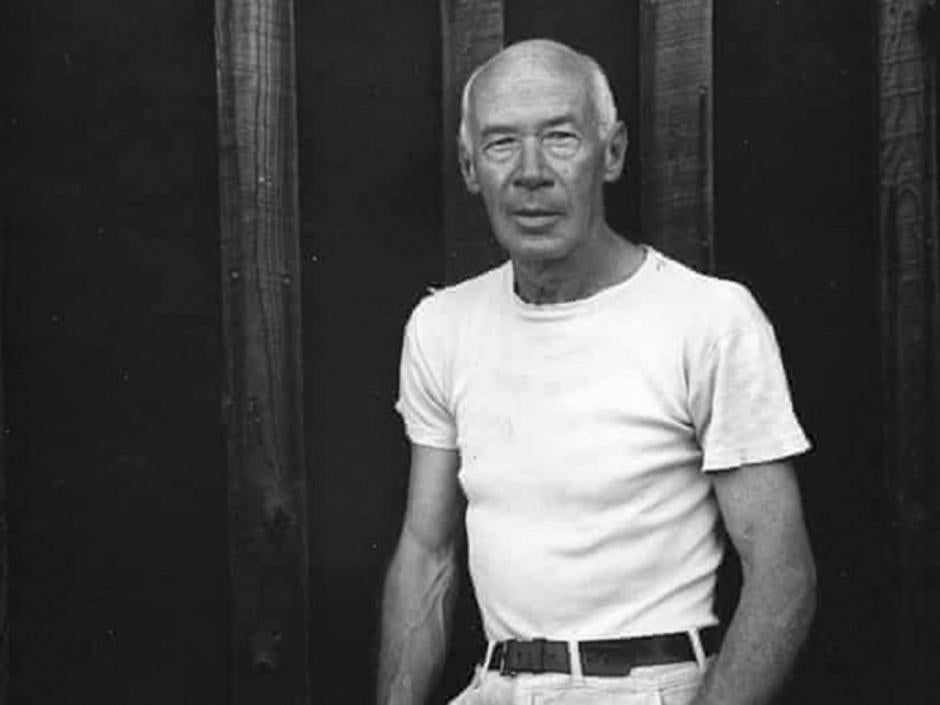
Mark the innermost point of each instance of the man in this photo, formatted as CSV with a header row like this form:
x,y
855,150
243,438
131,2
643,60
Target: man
x,y
603,410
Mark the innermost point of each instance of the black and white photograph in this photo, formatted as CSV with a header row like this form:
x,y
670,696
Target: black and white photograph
x,y
470,352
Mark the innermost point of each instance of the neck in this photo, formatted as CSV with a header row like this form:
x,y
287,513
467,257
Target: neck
x,y
603,262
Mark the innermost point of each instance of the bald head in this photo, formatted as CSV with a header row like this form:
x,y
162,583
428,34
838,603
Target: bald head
x,y
548,56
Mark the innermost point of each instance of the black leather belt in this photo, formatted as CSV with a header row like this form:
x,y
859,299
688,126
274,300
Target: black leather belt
x,y
609,657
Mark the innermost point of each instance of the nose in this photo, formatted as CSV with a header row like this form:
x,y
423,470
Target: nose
x,y
531,171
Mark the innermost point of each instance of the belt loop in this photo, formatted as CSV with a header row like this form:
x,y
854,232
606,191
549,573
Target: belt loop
x,y
483,669
697,648
488,656
576,666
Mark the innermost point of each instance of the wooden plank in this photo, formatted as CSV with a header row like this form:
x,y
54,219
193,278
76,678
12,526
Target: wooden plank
x,y
472,31
4,526
263,385
677,163
910,311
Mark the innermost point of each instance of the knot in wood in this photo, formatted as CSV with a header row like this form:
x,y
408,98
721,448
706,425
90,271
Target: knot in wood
x,y
265,650
277,523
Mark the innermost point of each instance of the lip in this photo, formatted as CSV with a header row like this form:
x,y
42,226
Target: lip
x,y
535,218
533,208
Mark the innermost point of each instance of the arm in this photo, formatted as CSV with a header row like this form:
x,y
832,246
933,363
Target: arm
x,y
761,508
421,582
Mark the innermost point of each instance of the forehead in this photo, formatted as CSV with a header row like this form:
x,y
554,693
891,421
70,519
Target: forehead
x,y
530,89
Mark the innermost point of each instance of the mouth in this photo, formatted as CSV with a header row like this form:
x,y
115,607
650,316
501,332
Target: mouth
x,y
535,218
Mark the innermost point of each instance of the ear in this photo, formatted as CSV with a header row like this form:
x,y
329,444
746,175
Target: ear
x,y
615,152
467,168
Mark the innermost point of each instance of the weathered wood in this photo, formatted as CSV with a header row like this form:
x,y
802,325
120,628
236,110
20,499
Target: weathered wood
x,y
4,532
910,310
472,31
677,164
263,385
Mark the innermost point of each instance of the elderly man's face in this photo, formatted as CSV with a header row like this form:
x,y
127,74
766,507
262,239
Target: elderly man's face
x,y
538,159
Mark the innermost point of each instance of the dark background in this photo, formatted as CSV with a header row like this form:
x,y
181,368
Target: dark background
x,y
112,319
118,540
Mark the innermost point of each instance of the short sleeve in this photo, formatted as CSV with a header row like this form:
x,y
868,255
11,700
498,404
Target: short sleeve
x,y
739,397
421,400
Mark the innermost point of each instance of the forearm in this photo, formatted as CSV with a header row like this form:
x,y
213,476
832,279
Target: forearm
x,y
763,639
416,612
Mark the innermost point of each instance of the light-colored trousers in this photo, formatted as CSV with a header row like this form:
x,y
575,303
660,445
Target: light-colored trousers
x,y
669,684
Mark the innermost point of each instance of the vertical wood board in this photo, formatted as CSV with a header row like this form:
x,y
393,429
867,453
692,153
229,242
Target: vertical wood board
x,y
910,307
472,31
676,103
4,525
263,385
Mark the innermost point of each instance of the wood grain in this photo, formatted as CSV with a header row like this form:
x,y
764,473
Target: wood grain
x,y
263,385
4,526
677,164
472,31
910,307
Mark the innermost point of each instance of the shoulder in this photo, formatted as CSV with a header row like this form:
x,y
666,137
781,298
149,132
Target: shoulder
x,y
450,304
712,306
440,319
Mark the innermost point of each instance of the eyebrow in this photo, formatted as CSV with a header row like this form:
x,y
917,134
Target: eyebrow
x,y
501,128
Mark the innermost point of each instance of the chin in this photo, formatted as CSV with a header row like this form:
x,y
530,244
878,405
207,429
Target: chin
x,y
532,245
535,248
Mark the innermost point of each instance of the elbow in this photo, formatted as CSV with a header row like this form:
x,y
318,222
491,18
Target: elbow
x,y
787,590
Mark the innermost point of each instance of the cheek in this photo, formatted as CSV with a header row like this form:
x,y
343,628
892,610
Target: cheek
x,y
492,197
585,185
491,181
574,177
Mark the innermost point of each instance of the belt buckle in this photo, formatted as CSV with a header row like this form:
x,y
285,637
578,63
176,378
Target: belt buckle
x,y
523,657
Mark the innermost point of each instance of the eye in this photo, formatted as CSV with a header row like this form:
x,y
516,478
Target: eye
x,y
561,143
500,148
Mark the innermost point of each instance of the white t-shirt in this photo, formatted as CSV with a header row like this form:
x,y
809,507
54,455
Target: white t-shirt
x,y
583,430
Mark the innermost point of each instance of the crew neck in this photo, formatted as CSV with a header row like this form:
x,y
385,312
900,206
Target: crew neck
x,y
565,309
